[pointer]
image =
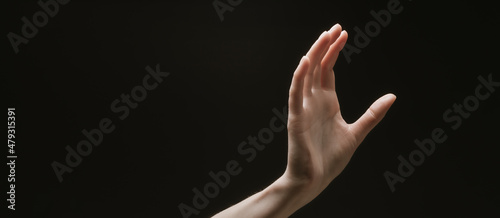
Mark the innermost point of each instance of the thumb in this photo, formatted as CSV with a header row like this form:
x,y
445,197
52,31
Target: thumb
x,y
371,117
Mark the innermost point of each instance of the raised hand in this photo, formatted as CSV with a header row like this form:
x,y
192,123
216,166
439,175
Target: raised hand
x,y
320,142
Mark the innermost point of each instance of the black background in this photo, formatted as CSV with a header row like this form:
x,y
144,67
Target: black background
x,y
226,77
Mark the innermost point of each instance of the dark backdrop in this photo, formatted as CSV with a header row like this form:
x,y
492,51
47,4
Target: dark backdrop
x,y
225,79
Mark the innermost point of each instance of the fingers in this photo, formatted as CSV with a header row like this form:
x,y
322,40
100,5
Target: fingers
x,y
296,89
371,117
334,33
327,75
315,55
322,57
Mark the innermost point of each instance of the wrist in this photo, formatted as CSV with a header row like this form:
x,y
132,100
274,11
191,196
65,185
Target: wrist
x,y
293,194
280,199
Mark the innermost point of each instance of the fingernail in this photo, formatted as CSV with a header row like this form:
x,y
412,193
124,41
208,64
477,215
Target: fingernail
x,y
334,27
322,34
344,42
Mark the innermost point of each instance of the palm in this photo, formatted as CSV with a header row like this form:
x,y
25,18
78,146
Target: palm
x,y
321,143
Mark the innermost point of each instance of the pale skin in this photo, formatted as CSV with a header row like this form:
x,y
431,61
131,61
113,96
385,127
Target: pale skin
x,y
320,142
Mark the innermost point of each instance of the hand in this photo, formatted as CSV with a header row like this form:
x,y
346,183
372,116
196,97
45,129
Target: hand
x,y
320,142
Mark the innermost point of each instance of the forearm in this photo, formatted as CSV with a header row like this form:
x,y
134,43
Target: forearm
x,y
281,199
